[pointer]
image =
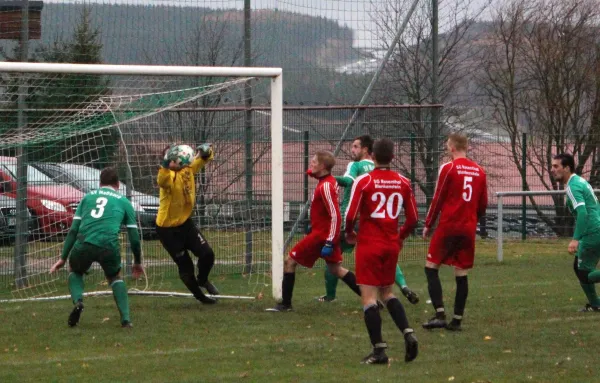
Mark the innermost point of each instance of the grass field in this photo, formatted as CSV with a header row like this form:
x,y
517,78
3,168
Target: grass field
x,y
521,325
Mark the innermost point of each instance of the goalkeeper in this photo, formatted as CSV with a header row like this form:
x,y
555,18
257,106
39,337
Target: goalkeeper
x,y
176,230
362,163
585,245
94,237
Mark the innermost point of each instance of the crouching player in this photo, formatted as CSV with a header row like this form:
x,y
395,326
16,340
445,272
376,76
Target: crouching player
x,y
94,237
378,197
324,239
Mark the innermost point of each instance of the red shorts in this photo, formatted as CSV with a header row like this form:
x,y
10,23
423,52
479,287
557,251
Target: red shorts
x,y
455,249
376,264
308,250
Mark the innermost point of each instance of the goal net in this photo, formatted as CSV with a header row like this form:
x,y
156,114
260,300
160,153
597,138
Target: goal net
x,y
539,216
63,123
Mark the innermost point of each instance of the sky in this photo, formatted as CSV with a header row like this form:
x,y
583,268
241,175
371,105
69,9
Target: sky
x,y
355,14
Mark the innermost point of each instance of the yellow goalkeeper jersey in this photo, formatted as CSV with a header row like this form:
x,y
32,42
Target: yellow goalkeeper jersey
x,y
177,193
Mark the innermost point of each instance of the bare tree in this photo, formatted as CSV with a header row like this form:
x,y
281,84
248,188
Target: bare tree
x,y
408,76
542,77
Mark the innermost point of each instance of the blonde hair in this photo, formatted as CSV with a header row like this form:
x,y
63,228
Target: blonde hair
x,y
326,158
459,141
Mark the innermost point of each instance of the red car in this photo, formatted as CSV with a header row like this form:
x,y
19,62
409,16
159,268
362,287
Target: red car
x,y
52,205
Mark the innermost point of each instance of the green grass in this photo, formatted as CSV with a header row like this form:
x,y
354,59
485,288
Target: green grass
x,y
521,325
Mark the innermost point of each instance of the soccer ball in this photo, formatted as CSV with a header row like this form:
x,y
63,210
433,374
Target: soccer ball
x,y
183,155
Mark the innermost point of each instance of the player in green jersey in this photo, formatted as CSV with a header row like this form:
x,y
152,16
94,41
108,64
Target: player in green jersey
x,y
361,150
583,204
94,237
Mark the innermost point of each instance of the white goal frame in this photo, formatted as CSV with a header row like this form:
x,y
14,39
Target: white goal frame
x,y
500,195
276,76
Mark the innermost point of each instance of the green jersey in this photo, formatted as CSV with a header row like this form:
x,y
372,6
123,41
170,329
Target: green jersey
x,y
354,170
583,204
98,221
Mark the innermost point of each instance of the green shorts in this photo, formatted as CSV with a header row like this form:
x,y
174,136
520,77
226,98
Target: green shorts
x,y
84,254
588,252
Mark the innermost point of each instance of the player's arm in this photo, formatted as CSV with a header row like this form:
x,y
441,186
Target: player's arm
x,y
578,201
329,197
348,178
205,154
354,204
441,190
411,214
483,199
130,222
164,179
70,239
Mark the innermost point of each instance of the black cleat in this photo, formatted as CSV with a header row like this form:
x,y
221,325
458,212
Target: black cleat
x,y
210,288
75,314
206,300
589,308
454,325
325,298
410,295
412,347
435,322
280,307
127,324
377,356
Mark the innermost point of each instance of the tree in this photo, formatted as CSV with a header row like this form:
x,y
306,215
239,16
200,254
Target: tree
x,y
407,78
541,76
56,97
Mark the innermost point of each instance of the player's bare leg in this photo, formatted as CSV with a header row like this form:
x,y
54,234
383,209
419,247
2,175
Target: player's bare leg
x,y
462,291
398,314
287,286
434,285
345,275
373,323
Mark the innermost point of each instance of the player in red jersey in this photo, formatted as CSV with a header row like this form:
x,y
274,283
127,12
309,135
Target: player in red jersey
x,y
378,197
460,200
324,238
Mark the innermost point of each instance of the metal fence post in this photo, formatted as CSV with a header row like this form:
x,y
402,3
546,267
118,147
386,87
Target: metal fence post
x,y
306,160
524,188
499,230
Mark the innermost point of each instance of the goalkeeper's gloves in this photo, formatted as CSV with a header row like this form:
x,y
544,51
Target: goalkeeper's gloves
x,y
205,151
327,250
167,158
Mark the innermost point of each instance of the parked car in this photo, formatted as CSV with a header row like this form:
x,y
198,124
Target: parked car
x,y
51,204
86,179
8,220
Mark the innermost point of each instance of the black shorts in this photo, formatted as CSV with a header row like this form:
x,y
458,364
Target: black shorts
x,y
178,239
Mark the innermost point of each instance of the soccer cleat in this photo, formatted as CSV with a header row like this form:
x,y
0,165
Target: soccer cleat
x,y
280,307
410,295
325,298
210,288
412,347
75,314
127,324
377,356
206,300
589,308
435,322
454,325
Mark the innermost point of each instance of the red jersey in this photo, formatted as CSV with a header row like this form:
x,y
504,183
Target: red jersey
x,y
325,210
379,197
460,196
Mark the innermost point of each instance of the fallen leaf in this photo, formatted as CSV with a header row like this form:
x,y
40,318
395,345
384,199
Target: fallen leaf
x,y
451,378
260,296
118,344
487,337
105,319
299,365
47,348
507,351
244,374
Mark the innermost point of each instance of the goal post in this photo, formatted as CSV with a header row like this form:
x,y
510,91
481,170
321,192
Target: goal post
x,y
540,207
120,105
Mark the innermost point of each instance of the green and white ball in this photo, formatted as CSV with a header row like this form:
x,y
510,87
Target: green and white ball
x,y
183,155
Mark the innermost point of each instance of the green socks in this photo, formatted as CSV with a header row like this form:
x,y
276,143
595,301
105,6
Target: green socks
x,y
400,281
120,294
590,292
331,282
76,287
594,276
